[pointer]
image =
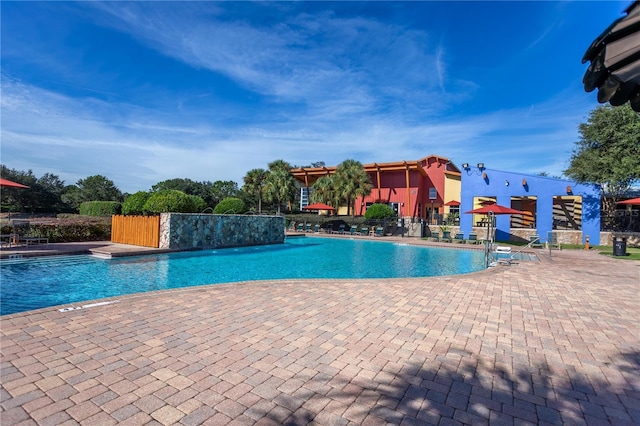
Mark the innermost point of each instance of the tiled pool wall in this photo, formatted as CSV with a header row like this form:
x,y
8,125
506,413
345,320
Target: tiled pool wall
x,y
180,231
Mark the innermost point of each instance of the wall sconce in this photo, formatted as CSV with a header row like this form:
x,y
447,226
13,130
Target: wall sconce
x,y
484,176
402,204
481,166
465,166
524,182
568,189
506,183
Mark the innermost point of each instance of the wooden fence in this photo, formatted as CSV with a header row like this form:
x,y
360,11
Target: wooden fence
x,y
136,230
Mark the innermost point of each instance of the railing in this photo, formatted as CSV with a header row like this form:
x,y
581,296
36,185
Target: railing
x,y
136,230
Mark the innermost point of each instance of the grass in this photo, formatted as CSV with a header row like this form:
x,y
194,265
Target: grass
x,y
633,253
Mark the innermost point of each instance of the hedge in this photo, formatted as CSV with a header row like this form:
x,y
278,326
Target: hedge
x,y
230,205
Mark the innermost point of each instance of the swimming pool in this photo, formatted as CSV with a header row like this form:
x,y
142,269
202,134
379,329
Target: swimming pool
x,y
37,283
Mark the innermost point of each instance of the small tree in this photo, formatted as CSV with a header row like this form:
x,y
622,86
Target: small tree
x,y
379,211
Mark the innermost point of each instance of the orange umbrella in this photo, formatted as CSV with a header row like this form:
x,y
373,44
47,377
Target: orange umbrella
x,y
10,184
318,206
495,209
633,202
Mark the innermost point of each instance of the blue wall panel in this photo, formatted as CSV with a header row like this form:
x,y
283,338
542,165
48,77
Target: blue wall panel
x,y
474,184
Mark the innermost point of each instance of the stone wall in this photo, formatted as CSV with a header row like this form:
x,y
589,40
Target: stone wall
x,y
183,231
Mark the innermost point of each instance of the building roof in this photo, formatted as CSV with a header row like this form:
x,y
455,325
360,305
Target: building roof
x,y
615,61
308,175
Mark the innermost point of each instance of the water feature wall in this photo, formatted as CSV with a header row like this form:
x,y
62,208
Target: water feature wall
x,y
183,231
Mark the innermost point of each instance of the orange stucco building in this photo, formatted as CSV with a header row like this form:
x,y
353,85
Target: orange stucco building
x,y
415,189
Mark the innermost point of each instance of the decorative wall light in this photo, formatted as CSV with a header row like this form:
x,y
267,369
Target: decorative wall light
x,y
481,166
568,189
465,166
484,176
506,182
524,182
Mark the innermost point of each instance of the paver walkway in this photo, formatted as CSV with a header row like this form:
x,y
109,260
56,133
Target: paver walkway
x,y
555,342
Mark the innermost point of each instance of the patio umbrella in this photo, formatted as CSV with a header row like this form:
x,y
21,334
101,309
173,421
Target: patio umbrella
x,y
318,206
491,210
495,209
452,203
632,202
10,184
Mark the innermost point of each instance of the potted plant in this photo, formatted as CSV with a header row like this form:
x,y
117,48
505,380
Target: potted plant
x,y
446,232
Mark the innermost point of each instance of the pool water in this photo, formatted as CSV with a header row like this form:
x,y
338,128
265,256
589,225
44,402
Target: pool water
x,y
37,283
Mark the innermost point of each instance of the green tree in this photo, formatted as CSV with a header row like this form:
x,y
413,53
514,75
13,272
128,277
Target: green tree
x,y
280,187
188,186
254,183
351,181
43,195
222,189
134,203
92,188
379,211
608,153
231,205
324,191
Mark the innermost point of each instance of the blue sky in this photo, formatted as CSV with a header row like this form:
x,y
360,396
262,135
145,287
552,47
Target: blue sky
x,y
141,92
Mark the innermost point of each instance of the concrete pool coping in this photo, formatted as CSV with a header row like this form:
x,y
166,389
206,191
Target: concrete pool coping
x,y
549,342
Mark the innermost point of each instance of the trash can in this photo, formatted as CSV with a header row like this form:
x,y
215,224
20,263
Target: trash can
x,y
619,246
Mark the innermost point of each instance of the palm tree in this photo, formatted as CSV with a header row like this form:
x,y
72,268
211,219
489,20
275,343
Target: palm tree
x,y
351,181
254,183
324,191
280,184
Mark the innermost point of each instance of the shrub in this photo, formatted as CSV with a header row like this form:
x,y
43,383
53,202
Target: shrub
x,y
198,203
379,211
230,205
100,208
173,201
134,204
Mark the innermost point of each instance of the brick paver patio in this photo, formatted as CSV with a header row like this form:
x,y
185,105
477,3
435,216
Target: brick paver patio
x,y
555,342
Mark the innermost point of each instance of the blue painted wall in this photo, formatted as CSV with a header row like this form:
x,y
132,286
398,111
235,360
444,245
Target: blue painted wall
x,y
544,188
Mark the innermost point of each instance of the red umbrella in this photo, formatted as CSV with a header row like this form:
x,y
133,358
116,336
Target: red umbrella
x,y
318,206
8,183
633,202
495,209
452,203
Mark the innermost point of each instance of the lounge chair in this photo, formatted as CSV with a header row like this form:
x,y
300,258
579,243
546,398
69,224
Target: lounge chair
x,y
316,229
353,230
379,232
307,228
534,241
458,238
435,236
364,230
339,231
24,228
300,227
473,239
